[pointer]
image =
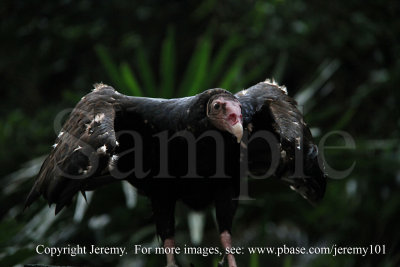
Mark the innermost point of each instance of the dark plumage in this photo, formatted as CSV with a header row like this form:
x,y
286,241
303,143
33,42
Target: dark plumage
x,y
171,150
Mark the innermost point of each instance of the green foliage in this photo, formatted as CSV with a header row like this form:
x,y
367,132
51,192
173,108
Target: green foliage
x,y
197,68
339,59
254,260
167,64
204,69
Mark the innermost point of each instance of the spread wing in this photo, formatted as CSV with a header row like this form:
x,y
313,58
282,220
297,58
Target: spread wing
x,y
99,141
83,150
290,153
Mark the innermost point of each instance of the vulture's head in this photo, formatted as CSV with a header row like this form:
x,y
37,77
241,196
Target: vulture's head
x,y
225,113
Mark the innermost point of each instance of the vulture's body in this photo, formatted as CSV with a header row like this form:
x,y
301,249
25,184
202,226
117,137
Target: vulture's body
x,y
182,149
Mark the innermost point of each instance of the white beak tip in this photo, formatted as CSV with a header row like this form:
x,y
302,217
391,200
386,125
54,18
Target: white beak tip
x,y
237,131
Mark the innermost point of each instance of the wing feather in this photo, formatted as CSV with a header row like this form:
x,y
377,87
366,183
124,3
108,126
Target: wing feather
x,y
266,106
86,153
81,152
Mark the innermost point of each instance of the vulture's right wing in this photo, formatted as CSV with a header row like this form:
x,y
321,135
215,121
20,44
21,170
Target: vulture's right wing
x,y
82,152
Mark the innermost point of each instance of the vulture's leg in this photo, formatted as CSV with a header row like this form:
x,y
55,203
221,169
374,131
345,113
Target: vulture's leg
x,y
169,243
164,214
226,242
225,208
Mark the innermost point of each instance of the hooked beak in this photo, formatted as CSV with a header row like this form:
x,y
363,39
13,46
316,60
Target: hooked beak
x,y
237,131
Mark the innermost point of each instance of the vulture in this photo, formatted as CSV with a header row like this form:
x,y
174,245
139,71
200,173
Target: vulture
x,y
198,149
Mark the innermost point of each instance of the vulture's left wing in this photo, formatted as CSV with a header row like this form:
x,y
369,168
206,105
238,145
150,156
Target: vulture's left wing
x,y
290,153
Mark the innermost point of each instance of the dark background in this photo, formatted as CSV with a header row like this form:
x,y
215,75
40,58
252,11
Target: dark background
x,y
339,59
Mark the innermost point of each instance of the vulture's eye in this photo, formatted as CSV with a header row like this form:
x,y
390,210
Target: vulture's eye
x,y
216,106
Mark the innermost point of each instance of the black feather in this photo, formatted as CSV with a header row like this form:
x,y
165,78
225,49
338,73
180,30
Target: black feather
x,y
266,106
110,136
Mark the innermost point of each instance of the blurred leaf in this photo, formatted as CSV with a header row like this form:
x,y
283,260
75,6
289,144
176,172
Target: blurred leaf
x,y
324,73
356,100
220,60
253,74
82,205
130,194
254,260
130,79
287,262
196,221
145,72
167,64
110,66
232,74
38,226
197,69
19,256
14,181
204,9
280,66
9,229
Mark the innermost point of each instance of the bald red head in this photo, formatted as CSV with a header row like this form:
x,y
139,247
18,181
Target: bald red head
x,y
225,113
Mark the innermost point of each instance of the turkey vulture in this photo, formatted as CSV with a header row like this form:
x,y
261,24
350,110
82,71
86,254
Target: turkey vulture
x,y
194,149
